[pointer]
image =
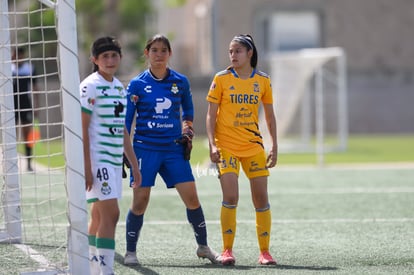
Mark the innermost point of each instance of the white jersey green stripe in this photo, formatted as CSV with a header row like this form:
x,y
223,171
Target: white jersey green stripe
x,y
106,103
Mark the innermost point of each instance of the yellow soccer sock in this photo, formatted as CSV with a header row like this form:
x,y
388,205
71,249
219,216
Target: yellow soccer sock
x,y
263,227
228,225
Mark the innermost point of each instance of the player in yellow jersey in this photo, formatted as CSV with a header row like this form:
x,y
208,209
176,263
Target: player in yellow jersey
x,y
234,139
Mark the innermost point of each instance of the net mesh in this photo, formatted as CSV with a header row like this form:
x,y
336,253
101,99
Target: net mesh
x,y
32,182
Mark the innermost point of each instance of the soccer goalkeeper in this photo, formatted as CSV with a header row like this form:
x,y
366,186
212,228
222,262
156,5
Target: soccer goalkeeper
x,y
162,143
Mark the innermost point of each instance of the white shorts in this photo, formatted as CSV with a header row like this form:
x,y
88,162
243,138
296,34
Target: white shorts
x,y
107,183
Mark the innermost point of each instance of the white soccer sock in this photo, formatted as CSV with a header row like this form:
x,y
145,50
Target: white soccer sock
x,y
94,261
106,260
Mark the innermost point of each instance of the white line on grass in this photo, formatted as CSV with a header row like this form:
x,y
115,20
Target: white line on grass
x,y
44,264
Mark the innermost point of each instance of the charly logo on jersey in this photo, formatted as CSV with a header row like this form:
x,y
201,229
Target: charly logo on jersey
x,y
106,189
148,89
174,88
103,89
162,104
84,91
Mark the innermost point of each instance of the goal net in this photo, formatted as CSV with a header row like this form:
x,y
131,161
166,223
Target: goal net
x,y
43,216
310,100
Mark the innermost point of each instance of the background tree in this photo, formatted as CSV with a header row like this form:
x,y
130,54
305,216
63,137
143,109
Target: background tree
x,y
124,19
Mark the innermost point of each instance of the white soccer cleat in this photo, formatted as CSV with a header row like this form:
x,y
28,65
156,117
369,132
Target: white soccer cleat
x,y
205,252
131,258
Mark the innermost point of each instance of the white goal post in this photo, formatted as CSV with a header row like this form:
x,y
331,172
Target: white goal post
x,y
310,95
43,213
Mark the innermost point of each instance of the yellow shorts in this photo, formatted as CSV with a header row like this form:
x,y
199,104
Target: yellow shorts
x,y
253,166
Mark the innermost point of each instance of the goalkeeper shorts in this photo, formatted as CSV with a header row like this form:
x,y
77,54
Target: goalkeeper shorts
x,y
170,165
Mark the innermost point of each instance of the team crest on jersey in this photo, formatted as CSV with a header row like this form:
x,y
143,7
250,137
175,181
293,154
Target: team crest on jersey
x,y
213,86
105,189
174,88
91,101
134,99
120,90
256,88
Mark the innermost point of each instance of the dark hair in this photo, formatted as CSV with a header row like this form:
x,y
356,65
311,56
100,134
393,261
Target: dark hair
x,y
247,41
103,44
21,50
18,52
158,38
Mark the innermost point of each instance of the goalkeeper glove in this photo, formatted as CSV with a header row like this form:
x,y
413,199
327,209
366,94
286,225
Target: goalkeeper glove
x,y
187,144
186,138
125,162
188,130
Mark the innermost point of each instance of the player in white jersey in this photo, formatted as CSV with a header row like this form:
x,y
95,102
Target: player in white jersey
x,y
103,100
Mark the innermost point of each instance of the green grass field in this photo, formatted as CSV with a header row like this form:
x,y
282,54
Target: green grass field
x,y
356,218
337,221
361,149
